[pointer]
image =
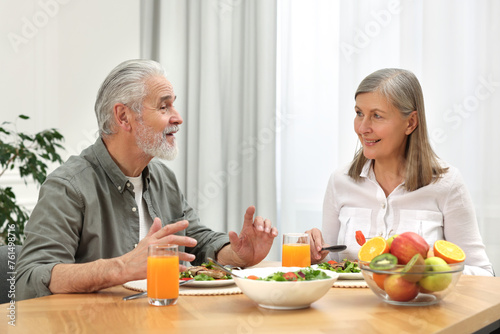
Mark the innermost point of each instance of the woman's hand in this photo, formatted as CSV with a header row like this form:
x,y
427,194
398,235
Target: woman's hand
x,y
317,243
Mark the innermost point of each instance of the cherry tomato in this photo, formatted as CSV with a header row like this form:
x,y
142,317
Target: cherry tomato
x,y
332,262
290,276
360,238
252,277
185,278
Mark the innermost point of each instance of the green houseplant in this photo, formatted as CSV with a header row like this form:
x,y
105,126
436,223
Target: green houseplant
x,y
29,153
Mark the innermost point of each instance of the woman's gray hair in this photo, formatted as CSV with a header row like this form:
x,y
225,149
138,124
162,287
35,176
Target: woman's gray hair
x,y
126,84
400,87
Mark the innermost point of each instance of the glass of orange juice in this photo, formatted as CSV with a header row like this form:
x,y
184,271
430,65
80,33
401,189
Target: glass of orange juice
x,y
296,250
163,274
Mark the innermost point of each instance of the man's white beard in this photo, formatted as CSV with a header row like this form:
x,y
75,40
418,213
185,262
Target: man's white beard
x,y
156,144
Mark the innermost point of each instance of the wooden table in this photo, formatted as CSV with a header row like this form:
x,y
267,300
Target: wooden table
x,y
473,305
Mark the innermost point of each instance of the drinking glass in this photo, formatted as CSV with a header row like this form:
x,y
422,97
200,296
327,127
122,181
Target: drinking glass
x,y
296,250
163,274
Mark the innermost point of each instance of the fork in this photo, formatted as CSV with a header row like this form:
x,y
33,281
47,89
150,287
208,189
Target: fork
x,y
221,267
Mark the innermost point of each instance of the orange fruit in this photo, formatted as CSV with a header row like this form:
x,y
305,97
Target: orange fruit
x,y
373,247
379,279
448,251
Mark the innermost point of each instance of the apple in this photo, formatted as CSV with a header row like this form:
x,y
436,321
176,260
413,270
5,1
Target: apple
x,y
391,239
399,289
407,245
435,282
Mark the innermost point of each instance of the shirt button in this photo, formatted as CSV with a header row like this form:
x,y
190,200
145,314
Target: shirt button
x,y
128,185
134,209
119,188
383,205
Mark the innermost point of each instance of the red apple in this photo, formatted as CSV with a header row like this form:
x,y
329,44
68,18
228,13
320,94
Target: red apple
x,y
399,289
408,244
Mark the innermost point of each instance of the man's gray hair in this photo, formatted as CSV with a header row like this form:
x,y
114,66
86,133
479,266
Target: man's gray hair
x,y
126,84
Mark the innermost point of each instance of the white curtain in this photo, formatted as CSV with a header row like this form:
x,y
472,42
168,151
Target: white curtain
x,y
54,55
326,48
220,56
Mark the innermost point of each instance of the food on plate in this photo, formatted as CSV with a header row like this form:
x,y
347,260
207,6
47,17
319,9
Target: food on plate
x,y
360,238
436,282
448,251
406,245
344,266
205,272
304,274
373,247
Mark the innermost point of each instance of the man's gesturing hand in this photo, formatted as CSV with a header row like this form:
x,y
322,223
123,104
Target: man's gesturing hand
x,y
135,262
253,243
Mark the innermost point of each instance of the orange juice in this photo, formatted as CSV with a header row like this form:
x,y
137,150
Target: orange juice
x,y
296,255
163,277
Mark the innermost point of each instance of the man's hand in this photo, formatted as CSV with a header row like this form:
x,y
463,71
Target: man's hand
x,y
316,242
104,273
253,243
135,262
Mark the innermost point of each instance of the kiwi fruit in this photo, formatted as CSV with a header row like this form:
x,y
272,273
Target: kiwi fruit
x,y
413,271
384,261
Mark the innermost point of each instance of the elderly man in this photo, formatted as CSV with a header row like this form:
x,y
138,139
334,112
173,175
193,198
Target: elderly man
x,y
97,213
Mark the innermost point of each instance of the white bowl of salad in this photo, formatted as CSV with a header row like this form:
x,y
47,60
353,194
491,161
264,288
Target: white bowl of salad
x,y
285,288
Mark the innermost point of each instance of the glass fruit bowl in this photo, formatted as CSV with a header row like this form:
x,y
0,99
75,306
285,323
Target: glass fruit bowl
x,y
416,285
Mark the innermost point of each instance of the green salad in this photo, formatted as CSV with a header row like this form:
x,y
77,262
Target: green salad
x,y
305,274
345,266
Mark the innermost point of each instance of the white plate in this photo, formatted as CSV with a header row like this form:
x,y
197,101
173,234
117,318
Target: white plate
x,y
351,276
343,275
209,284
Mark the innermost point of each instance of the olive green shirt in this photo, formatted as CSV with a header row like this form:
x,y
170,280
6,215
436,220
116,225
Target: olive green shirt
x,y
87,211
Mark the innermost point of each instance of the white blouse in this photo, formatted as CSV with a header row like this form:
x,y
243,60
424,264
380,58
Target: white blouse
x,y
440,210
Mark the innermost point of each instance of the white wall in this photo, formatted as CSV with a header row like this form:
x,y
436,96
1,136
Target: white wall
x,y
54,54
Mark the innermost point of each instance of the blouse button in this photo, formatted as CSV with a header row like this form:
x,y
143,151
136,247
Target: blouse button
x,y
383,205
134,209
119,188
128,184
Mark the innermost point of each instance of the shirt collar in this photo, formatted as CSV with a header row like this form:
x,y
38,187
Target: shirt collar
x,y
367,170
111,169
369,173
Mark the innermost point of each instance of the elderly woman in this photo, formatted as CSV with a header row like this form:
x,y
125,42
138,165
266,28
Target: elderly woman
x,y
396,183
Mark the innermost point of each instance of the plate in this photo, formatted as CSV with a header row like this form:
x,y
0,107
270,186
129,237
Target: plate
x,y
353,276
209,284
